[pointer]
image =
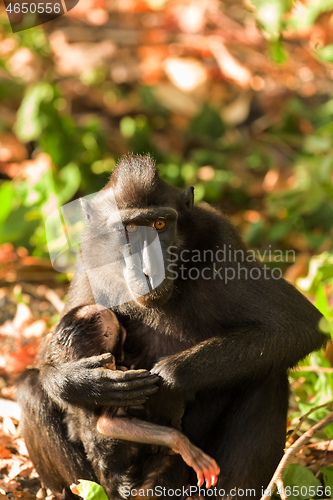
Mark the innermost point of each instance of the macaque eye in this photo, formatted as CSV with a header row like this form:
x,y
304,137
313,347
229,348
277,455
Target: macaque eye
x,y
131,228
159,225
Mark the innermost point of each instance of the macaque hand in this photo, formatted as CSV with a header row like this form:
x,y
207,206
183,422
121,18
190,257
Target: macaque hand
x,y
88,382
165,368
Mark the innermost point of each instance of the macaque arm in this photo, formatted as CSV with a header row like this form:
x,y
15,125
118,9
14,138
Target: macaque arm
x,y
243,354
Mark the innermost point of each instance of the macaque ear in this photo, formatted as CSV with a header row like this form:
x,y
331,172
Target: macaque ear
x,y
188,196
87,211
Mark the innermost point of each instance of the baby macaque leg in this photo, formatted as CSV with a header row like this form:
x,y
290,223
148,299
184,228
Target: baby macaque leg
x,y
139,431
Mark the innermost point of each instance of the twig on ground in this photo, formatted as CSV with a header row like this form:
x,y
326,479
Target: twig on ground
x,y
301,420
321,369
277,481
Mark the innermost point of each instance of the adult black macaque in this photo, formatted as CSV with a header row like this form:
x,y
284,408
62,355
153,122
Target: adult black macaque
x,y
221,337
92,330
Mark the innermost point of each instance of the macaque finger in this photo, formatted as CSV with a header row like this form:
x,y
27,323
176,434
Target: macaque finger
x,y
128,385
214,480
125,398
128,394
208,480
138,374
139,400
201,479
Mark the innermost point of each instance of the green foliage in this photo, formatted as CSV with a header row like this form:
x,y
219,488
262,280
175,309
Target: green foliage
x,y
297,476
273,20
288,138
328,478
316,387
91,491
39,119
320,274
326,53
207,124
7,196
309,14
277,52
79,157
270,14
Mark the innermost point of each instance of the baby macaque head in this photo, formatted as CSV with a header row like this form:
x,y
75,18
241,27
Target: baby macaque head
x,y
109,333
86,331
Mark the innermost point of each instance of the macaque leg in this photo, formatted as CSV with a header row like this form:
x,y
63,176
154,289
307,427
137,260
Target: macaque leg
x,y
139,431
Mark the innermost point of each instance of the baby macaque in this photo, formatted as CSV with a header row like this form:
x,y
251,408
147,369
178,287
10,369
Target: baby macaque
x,y
92,330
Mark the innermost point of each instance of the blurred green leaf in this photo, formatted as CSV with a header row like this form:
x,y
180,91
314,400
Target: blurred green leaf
x,y
255,233
309,13
326,53
28,125
207,123
320,270
189,171
321,301
316,144
297,476
208,157
279,230
270,14
277,51
327,473
91,491
199,192
326,326
127,126
70,178
17,228
7,196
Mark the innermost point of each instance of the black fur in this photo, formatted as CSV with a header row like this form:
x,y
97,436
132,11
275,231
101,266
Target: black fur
x,y
115,463
222,350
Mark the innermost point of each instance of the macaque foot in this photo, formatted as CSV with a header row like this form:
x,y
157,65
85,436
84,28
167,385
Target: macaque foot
x,y
205,467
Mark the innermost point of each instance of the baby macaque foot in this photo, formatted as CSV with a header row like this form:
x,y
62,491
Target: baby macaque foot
x,y
205,467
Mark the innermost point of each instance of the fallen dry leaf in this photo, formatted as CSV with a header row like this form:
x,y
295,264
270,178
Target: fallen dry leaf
x,y
24,65
228,64
9,409
22,317
16,362
5,453
23,495
8,427
11,149
7,485
77,58
186,74
36,329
